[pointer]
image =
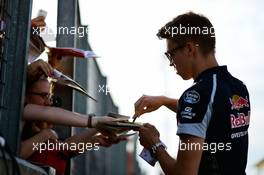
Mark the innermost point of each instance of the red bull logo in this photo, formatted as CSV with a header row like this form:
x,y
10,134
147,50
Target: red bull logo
x,y
238,102
239,121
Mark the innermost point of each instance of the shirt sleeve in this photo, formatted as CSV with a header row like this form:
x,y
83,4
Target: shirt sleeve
x,y
195,110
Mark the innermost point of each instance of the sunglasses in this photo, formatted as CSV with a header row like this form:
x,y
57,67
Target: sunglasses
x,y
169,54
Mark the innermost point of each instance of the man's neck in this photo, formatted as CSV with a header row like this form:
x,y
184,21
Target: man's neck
x,y
204,64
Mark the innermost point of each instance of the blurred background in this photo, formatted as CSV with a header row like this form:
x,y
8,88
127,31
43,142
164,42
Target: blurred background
x,y
124,34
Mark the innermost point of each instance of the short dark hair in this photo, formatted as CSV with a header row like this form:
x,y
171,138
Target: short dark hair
x,y
197,29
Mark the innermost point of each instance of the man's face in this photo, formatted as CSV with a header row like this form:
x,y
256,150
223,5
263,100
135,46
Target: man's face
x,y
39,93
179,59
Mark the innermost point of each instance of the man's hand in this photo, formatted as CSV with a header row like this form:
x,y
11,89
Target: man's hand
x,y
147,104
49,134
151,103
148,135
102,140
107,141
37,68
54,59
98,120
38,22
104,119
101,119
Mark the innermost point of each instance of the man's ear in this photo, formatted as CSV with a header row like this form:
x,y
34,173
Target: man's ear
x,y
191,49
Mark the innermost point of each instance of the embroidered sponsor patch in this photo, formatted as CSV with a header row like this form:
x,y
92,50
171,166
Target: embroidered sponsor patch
x,y
239,134
238,102
240,120
191,97
187,113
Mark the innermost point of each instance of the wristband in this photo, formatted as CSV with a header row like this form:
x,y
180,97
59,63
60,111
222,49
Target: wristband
x,y
158,145
89,122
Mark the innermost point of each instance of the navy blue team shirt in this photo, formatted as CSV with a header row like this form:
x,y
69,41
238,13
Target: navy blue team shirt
x,y
217,108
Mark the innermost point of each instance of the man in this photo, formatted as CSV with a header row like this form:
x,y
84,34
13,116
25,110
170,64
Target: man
x,y
212,115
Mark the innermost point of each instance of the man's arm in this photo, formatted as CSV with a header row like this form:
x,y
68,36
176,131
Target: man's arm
x,y
83,137
53,115
187,162
89,136
147,104
170,103
60,116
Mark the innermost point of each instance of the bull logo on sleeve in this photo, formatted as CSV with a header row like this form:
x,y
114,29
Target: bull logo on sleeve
x,y
238,102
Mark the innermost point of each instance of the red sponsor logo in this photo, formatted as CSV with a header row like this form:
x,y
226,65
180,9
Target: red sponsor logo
x,y
238,102
239,121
